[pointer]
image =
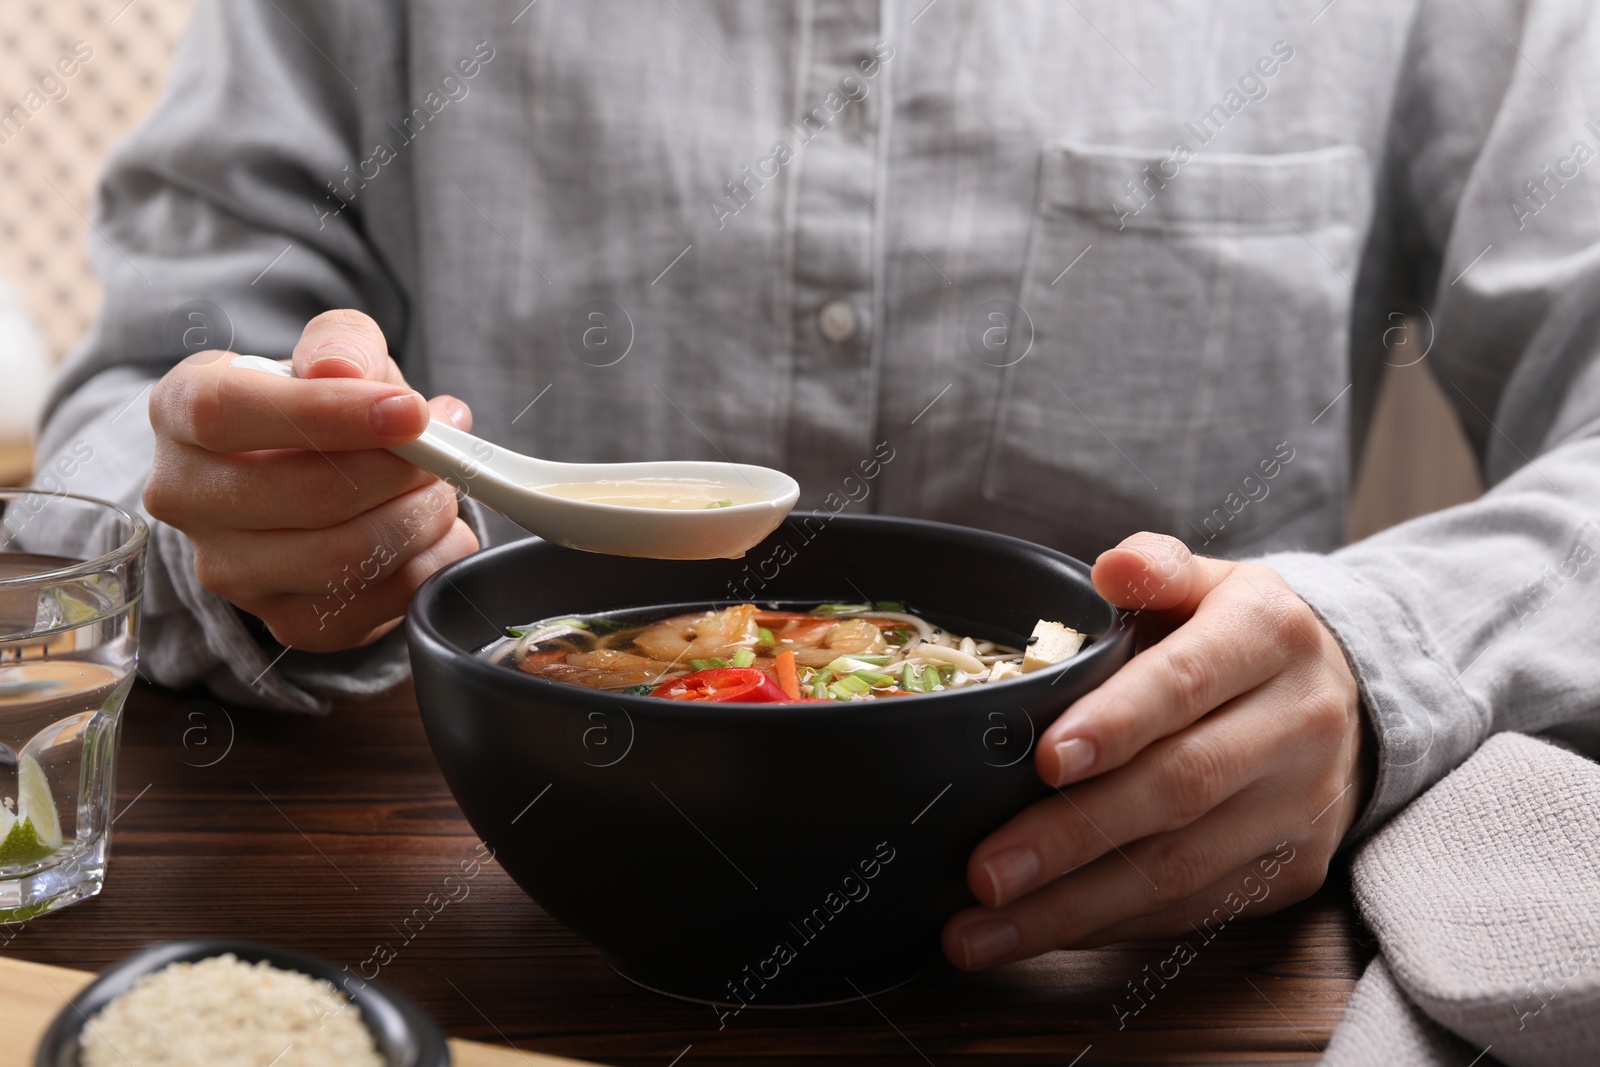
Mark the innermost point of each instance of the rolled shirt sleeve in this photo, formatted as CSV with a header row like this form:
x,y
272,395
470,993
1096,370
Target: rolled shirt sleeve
x,y
1481,618
216,226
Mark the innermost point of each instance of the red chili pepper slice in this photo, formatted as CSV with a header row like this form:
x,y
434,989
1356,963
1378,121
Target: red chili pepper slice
x,y
745,685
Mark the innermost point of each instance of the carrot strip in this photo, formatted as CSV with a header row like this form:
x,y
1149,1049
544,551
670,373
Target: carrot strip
x,y
788,677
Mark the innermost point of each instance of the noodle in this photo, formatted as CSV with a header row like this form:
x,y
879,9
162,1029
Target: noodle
x,y
833,652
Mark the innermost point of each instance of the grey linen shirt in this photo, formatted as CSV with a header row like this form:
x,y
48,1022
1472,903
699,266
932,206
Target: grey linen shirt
x,y
1085,269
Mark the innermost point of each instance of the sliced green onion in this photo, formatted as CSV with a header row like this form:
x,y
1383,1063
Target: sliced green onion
x,y
897,635
708,664
851,664
742,658
874,679
840,609
849,687
720,504
576,624
764,637
819,683
514,632
911,678
859,609
922,679
607,626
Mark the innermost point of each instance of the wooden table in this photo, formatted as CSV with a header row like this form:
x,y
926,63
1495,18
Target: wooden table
x,y
325,835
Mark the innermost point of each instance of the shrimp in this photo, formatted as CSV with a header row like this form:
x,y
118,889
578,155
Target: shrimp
x,y
605,668
801,635
815,657
700,636
597,679
852,636
856,635
606,659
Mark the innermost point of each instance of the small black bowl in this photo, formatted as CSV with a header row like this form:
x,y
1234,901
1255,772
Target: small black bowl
x,y
742,854
404,1034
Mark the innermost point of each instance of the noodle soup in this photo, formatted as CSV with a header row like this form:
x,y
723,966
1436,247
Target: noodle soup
x,y
751,654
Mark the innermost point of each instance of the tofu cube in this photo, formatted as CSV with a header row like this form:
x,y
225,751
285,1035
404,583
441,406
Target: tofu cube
x,y
1051,644
1001,671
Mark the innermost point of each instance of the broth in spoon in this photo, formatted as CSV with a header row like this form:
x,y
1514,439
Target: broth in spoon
x,y
676,494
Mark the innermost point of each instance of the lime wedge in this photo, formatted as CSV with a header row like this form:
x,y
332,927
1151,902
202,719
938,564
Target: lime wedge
x,y
22,845
35,805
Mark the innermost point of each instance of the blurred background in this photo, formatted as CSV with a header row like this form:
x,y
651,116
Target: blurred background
x,y
55,129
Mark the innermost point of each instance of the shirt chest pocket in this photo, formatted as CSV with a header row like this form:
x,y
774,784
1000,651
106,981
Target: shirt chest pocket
x,y
1189,321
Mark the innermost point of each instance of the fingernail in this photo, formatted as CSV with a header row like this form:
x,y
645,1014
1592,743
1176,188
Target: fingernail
x,y
339,356
989,941
1149,560
396,416
1012,872
1074,757
458,414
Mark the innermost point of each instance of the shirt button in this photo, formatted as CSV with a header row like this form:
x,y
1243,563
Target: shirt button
x,y
838,321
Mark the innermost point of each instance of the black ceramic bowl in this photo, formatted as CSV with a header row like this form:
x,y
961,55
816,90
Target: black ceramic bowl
x,y
738,853
404,1034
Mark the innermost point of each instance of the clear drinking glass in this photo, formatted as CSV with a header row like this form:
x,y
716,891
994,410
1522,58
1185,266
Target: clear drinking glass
x,y
68,645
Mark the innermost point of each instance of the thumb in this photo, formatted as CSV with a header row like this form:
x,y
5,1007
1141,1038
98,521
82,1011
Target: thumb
x,y
345,344
1154,572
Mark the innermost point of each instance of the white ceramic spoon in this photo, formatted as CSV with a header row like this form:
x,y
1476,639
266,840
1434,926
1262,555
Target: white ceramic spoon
x,y
505,481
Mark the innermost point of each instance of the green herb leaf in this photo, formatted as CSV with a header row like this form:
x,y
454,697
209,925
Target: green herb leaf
x,y
607,626
514,632
643,689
